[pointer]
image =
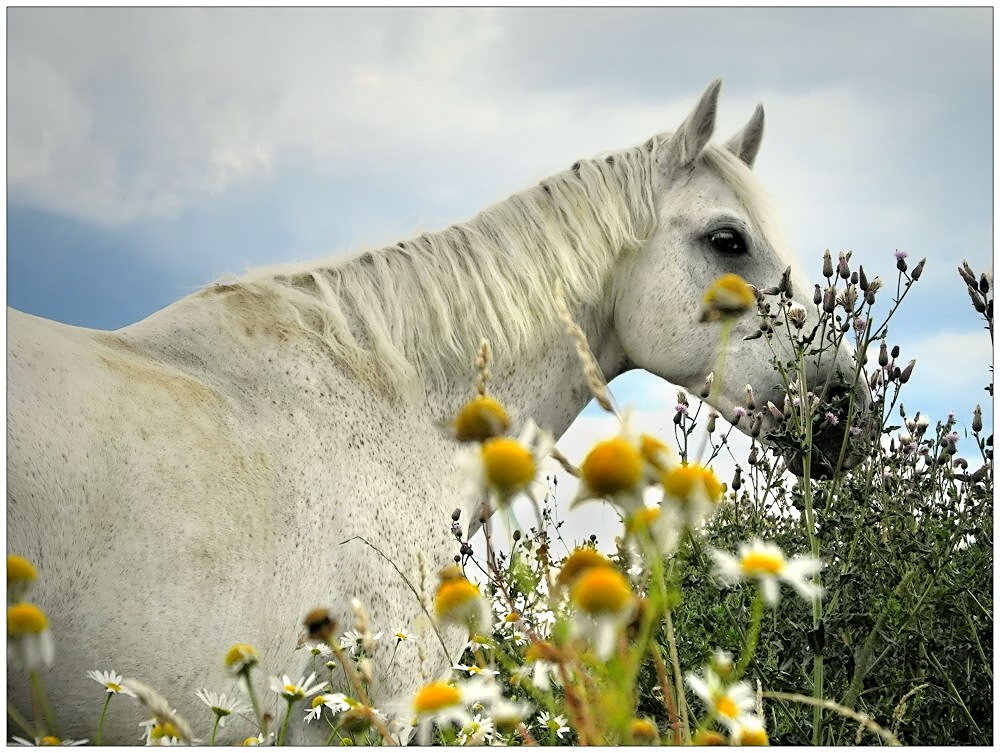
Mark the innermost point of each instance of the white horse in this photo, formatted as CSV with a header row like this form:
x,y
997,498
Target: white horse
x,y
186,482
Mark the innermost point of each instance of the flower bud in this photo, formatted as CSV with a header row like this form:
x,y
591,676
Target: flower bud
x,y
827,265
918,270
706,389
862,278
842,269
984,283
904,375
817,295
749,398
830,299
883,355
977,419
894,352
967,274
901,260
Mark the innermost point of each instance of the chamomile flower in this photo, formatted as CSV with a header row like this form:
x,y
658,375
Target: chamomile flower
x,y
505,468
507,714
579,561
604,605
296,691
438,703
729,297
111,680
402,636
691,495
472,670
765,563
29,641
222,705
20,575
335,702
241,657
459,601
554,724
47,740
749,730
726,702
479,419
158,733
477,731
540,663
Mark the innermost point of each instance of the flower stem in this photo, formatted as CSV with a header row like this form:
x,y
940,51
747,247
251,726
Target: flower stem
x,y
284,724
261,726
753,635
100,723
43,702
215,728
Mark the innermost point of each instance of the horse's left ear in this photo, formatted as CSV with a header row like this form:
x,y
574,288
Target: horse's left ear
x,y
683,148
746,143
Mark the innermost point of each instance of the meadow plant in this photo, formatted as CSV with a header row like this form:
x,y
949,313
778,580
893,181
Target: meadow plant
x,y
854,608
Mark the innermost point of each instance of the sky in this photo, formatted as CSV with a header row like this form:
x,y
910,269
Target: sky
x,y
151,151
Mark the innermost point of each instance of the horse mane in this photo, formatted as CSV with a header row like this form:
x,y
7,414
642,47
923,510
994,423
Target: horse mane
x,y
492,277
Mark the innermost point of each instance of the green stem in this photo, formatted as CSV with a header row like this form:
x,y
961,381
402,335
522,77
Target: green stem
x,y
261,725
753,635
43,701
284,724
19,720
100,723
215,729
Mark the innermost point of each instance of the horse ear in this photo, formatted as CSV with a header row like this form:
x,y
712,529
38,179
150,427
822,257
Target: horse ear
x,y
746,143
686,144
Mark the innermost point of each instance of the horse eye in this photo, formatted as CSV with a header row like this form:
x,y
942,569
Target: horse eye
x,y
727,241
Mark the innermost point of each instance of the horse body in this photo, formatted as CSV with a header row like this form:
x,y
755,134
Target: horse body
x,y
202,477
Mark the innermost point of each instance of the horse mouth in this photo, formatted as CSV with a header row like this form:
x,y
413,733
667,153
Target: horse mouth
x,y
829,442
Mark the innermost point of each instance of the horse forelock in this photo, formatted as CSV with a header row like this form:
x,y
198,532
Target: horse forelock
x,y
420,308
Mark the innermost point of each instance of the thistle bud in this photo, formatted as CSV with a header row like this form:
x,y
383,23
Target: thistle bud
x,y
900,260
918,270
968,275
977,419
817,295
752,457
706,388
755,426
904,375
842,269
749,398
774,411
984,283
870,297
827,265
456,514
883,355
862,278
894,352
830,299
737,479
977,301
875,380
785,286
710,426
854,278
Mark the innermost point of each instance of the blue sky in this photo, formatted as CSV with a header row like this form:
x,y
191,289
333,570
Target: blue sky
x,y
150,151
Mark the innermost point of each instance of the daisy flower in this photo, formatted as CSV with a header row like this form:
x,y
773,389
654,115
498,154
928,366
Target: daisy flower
x,y
472,670
556,725
290,691
159,733
459,601
438,703
726,702
765,563
605,603
47,740
691,495
614,470
20,574
402,636
29,641
479,419
111,680
506,468
241,657
223,706
749,730
729,297
478,731
336,702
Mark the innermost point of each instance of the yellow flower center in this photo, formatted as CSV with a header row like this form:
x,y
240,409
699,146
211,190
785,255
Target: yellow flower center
x,y
580,560
25,618
753,736
479,419
318,701
436,696
642,519
509,465
729,296
454,597
50,740
709,737
725,707
114,687
164,730
655,452
293,690
643,730
684,481
762,563
512,617
241,654
612,466
19,570
601,590
250,741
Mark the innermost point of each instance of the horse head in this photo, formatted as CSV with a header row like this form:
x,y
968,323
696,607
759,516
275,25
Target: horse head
x,y
711,219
